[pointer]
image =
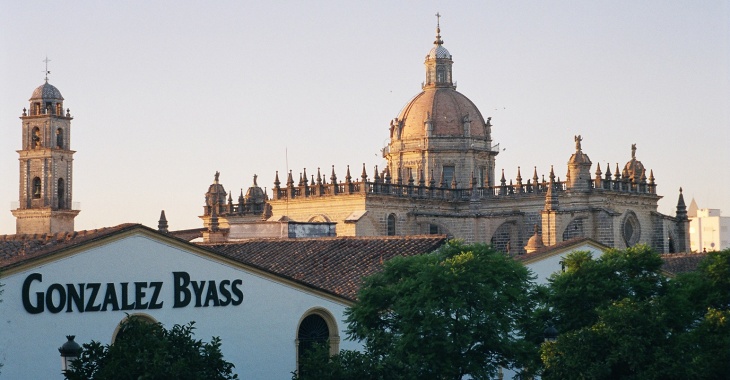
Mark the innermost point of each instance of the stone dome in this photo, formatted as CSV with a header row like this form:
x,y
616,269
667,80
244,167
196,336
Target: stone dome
x,y
46,91
448,111
634,168
579,158
255,193
216,190
438,51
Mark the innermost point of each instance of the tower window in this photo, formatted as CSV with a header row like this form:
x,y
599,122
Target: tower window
x,y
59,138
36,187
440,75
391,225
61,194
36,138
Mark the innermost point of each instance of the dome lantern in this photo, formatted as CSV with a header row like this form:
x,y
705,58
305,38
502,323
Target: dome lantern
x,y
438,62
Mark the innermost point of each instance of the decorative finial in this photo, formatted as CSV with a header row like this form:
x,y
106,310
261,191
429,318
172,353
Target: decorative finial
x,y
633,151
162,223
46,71
578,139
438,41
217,174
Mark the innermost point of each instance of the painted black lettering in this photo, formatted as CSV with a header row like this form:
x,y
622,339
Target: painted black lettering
x,y
125,297
198,289
157,286
211,295
110,297
29,307
139,294
225,293
75,297
94,286
181,291
237,292
53,308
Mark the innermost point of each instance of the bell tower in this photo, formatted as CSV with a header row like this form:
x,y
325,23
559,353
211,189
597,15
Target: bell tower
x,y
46,166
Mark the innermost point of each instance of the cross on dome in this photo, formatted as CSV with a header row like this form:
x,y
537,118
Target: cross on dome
x,y
46,70
438,41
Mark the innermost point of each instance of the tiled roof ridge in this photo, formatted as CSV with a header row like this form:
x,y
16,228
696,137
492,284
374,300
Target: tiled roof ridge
x,y
326,238
17,249
683,254
60,236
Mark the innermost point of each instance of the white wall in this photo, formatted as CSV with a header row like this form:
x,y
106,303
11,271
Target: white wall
x,y
258,335
549,265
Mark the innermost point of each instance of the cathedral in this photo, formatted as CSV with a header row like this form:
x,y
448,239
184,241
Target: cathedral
x,y
440,179
270,298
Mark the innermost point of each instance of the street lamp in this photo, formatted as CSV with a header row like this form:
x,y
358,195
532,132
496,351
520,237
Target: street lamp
x,y
550,334
70,351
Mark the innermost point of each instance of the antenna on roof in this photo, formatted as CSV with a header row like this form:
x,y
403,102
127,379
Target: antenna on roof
x,y
46,71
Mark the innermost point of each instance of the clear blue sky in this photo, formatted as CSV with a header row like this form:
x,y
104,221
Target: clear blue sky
x,y
164,93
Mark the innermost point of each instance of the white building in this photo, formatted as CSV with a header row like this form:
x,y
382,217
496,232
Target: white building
x,y
263,298
708,229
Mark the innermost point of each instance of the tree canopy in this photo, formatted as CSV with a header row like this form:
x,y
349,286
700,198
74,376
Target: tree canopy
x,y
619,317
459,311
145,350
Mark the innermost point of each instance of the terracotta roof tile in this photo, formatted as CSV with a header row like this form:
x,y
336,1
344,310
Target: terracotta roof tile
x,y
188,235
15,249
336,265
676,263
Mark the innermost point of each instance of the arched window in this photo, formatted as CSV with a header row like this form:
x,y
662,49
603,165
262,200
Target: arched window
x,y
506,238
391,225
119,332
317,328
61,193
59,138
36,187
576,228
312,331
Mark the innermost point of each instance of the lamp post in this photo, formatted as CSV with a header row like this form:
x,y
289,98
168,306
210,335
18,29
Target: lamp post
x,y
70,351
550,333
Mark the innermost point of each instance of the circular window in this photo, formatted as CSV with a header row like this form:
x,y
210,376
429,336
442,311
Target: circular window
x,y
631,229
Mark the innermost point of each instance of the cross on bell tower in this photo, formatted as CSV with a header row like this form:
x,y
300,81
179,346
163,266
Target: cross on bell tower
x,y
46,165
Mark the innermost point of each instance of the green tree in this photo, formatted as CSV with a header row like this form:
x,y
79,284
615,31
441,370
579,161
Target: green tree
x,y
619,318
317,364
459,311
146,350
705,343
587,284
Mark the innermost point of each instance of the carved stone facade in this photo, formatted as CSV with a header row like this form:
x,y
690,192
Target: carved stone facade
x,y
46,166
440,179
